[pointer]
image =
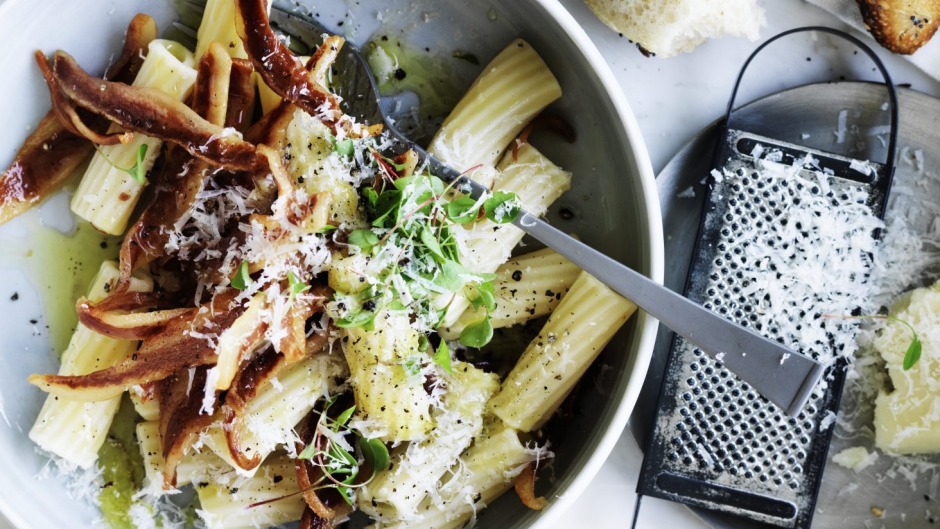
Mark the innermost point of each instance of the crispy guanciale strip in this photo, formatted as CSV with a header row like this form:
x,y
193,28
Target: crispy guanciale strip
x,y
223,95
67,113
252,375
525,489
244,338
280,69
52,152
185,341
155,114
181,397
124,325
241,95
312,520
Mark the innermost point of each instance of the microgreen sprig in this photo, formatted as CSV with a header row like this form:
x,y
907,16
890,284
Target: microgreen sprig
x,y
242,278
340,467
136,171
411,234
914,349
296,285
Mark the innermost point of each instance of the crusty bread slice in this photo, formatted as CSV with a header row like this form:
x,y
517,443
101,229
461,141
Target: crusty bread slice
x,y
902,26
669,27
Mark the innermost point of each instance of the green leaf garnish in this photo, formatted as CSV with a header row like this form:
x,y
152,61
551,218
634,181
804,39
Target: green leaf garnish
x,y
442,357
344,417
365,239
485,296
914,349
450,276
361,318
477,334
295,285
502,207
428,239
371,196
137,170
327,228
375,454
344,147
387,207
242,278
462,211
412,366
913,353
308,451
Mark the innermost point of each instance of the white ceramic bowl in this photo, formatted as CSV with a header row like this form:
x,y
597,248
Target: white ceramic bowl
x,y
613,199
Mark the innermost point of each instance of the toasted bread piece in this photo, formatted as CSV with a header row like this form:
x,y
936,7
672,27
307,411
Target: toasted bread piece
x,y
901,26
669,27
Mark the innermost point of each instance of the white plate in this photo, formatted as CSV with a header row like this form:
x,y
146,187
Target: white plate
x,y
614,201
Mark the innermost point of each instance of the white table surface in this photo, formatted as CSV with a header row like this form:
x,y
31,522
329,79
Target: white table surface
x,y
673,99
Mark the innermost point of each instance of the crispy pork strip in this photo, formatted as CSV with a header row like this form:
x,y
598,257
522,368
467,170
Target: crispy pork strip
x,y
250,378
124,325
223,95
184,342
52,152
155,114
182,418
278,66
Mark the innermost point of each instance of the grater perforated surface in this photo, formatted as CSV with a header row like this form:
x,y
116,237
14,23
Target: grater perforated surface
x,y
782,250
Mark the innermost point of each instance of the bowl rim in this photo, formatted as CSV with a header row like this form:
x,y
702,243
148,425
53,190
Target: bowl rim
x,y
651,232
647,326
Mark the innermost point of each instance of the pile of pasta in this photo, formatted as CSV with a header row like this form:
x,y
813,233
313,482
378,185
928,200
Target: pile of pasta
x,y
234,317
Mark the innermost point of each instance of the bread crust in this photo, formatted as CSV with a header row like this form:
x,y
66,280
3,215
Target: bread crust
x,y
901,26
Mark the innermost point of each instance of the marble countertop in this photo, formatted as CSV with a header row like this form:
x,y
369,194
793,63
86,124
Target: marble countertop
x,y
673,99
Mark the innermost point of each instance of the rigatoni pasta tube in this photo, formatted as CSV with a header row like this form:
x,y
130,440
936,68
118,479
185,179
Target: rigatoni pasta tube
x,y
75,430
218,25
576,332
279,405
537,182
526,287
486,470
386,393
108,193
514,87
415,471
239,503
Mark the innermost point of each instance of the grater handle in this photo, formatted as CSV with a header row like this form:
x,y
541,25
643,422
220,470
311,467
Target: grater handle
x,y
892,148
784,377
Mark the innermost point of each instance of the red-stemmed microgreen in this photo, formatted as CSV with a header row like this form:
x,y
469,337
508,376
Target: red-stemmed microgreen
x,y
327,450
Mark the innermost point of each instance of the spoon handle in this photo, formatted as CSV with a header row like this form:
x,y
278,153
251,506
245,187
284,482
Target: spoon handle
x,y
784,377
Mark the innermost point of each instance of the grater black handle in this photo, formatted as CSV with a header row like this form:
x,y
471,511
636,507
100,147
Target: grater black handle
x,y
889,164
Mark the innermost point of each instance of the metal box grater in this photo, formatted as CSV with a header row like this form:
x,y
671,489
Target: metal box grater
x,y
716,443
